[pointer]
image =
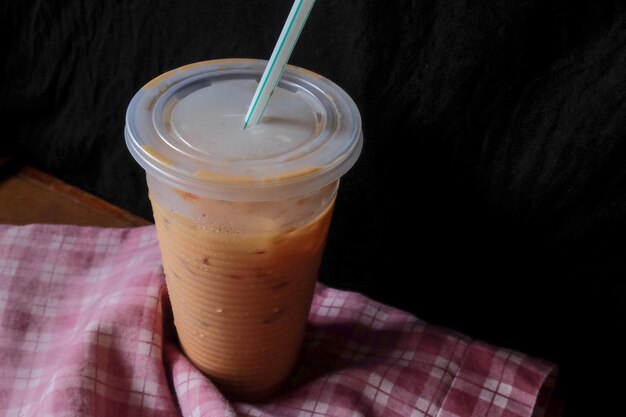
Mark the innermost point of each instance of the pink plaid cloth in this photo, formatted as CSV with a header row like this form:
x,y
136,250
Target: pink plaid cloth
x,y
81,313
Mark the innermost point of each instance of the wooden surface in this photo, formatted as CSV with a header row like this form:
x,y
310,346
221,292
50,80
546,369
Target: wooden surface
x,y
28,195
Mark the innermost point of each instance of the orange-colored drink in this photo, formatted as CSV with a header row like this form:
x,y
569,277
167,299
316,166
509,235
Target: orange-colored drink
x,y
240,278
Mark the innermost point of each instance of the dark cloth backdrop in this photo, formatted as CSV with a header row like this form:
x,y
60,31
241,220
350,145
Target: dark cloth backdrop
x,y
490,196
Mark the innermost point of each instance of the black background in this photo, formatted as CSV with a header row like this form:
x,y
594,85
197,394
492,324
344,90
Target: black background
x,y
516,110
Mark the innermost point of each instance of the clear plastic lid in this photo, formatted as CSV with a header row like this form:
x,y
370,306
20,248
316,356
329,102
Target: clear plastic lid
x,y
185,127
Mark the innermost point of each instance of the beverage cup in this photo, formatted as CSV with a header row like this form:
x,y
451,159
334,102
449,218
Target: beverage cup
x,y
242,215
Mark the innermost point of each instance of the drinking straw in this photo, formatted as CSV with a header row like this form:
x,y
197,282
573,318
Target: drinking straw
x,y
275,66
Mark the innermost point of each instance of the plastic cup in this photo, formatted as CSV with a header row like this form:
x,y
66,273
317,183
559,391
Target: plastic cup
x,y
242,215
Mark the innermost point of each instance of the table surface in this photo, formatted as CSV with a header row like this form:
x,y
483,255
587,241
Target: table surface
x,y
28,195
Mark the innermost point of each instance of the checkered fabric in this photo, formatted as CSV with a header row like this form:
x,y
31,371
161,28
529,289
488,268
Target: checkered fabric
x,y
81,334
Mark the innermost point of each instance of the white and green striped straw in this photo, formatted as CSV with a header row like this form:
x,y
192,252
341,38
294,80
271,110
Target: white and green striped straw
x,y
275,66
